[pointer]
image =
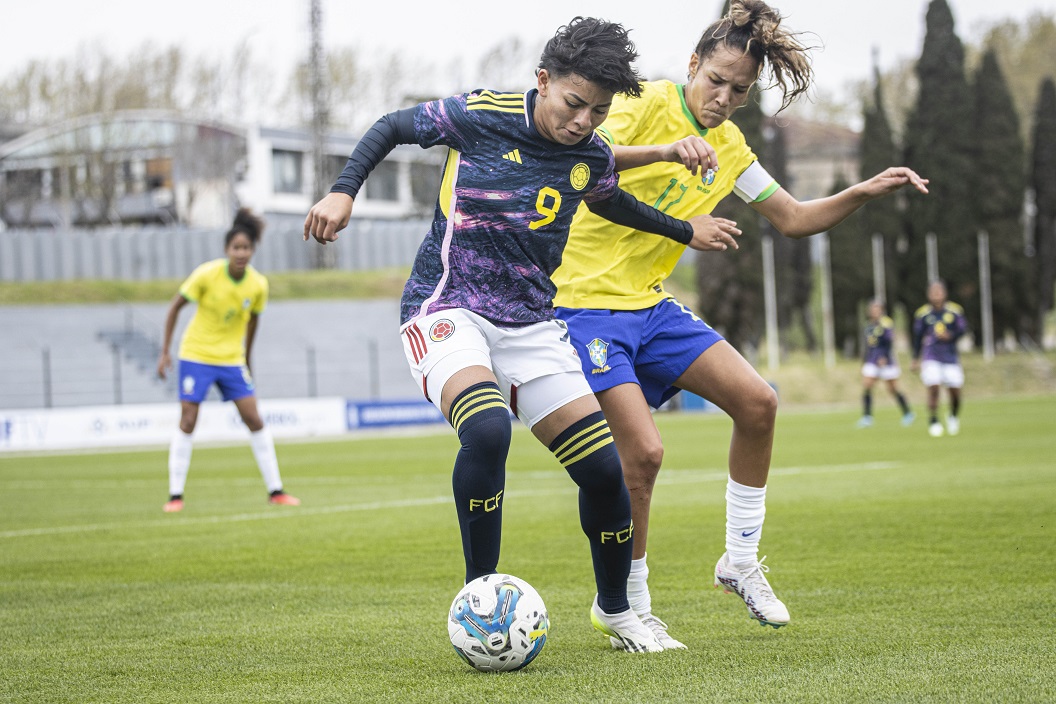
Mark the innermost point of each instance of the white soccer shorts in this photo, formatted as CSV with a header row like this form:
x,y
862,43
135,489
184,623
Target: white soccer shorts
x,y
934,373
884,373
536,366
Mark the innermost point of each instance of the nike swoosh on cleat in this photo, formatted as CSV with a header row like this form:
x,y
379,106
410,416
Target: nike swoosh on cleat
x,y
746,535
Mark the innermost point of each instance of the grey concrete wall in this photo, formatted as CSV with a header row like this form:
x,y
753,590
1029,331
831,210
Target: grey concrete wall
x,y
54,355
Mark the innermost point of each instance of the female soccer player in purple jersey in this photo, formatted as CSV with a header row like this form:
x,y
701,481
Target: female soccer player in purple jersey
x,y
880,362
477,319
937,326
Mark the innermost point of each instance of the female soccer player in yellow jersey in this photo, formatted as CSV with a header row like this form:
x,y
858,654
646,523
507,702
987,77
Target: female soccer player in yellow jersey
x,y
230,295
637,344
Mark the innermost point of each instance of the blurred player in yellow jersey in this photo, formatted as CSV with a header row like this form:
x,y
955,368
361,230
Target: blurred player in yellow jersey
x,y
677,150
215,350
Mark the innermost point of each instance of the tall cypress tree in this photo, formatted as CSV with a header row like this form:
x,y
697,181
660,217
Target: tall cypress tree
x,y
1043,182
938,145
850,259
998,191
883,216
793,266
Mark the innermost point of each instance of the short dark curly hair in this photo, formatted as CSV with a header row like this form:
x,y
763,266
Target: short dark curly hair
x,y
597,50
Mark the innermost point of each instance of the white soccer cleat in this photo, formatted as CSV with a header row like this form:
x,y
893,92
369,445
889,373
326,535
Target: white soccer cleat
x,y
953,426
908,418
625,628
659,629
865,422
751,585
935,430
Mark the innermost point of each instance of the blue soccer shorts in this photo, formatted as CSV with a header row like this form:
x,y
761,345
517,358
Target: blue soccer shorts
x,y
650,347
195,378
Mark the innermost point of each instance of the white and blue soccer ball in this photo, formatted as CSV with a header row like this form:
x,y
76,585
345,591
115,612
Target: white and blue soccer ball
x,y
498,623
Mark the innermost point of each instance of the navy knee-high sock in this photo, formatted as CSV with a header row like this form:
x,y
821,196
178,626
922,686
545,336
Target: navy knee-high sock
x,y
589,455
480,417
902,402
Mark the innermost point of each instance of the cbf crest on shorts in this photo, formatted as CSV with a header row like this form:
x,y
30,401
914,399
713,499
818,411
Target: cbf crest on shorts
x,y
599,354
441,330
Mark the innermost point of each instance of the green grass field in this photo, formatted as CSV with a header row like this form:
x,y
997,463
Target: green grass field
x,y
915,569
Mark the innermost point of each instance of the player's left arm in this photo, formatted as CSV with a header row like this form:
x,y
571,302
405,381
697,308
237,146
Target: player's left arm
x,y
251,334
796,219
703,232
960,325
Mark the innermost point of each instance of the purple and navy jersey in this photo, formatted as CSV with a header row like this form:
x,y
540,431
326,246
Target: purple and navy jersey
x,y
505,207
936,331
879,336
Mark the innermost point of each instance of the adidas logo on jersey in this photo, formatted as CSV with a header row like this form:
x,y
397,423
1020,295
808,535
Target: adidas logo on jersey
x,y
515,155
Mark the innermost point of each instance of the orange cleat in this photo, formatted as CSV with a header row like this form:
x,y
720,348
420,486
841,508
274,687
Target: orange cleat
x,y
173,506
281,498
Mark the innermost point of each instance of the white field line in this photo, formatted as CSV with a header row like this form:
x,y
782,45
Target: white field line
x,y
671,476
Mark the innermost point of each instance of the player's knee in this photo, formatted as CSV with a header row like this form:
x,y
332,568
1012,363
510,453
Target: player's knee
x,y
602,474
642,463
188,420
488,433
588,453
759,410
480,417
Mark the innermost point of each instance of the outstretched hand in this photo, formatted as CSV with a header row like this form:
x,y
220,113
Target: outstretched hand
x,y
892,179
328,217
712,234
694,153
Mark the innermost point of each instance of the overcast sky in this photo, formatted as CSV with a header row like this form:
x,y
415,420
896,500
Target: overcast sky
x,y
277,30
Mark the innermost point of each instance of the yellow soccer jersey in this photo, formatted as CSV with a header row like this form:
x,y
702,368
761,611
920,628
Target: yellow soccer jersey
x,y
217,333
609,266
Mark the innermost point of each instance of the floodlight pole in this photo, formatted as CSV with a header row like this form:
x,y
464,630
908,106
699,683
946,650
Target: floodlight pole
x,y
322,257
985,295
879,282
770,304
828,334
931,248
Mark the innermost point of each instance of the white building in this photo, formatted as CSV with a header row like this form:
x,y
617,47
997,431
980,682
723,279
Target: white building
x,y
146,166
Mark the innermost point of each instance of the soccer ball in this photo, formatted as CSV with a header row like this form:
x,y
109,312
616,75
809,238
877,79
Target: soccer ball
x,y
498,623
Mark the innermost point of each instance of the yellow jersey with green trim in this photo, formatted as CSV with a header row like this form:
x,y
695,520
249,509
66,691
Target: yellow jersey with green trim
x,y
217,333
608,266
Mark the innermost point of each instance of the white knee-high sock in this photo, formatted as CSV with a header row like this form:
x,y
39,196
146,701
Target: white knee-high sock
x,y
179,461
638,588
745,511
264,450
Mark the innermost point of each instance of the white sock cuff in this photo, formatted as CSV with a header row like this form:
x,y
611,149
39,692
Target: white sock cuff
x,y
639,568
742,491
262,435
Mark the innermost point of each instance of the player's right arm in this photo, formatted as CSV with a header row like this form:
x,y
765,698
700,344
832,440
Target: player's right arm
x,y
165,361
693,152
331,214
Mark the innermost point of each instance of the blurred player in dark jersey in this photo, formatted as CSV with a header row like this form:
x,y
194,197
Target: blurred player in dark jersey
x,y
936,328
880,363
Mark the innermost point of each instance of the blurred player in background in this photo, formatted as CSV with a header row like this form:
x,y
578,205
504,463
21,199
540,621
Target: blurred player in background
x,y
881,363
937,326
639,345
477,317
216,348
